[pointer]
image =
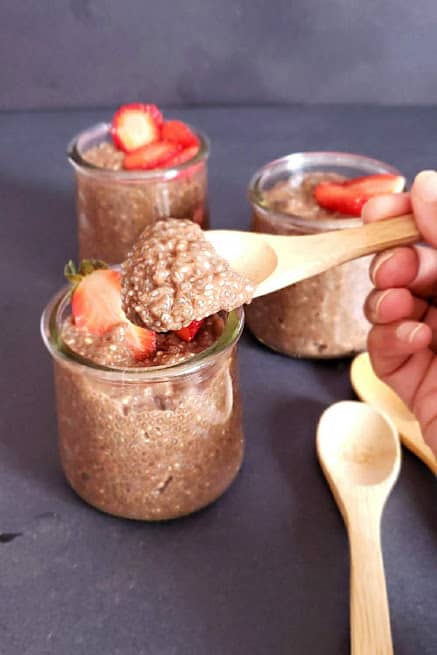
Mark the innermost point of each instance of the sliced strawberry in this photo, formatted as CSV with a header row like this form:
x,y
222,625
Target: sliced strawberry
x,y
179,132
154,155
96,305
141,342
189,332
349,196
181,157
136,125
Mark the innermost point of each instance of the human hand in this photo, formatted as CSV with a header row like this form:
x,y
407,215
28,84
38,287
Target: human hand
x,y
402,343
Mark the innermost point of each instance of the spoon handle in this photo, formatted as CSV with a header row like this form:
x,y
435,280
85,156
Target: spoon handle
x,y
369,611
302,257
373,237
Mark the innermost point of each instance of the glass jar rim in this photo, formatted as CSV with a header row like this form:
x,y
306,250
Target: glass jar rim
x,y
49,326
323,158
103,129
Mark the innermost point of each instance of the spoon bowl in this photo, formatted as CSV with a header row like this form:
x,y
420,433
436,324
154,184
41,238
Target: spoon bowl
x,y
359,452
274,261
247,253
349,449
358,449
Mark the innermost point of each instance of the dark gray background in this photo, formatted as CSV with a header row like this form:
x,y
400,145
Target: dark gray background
x,y
264,571
59,53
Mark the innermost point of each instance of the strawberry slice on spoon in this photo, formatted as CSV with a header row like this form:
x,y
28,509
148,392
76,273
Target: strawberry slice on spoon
x,y
349,196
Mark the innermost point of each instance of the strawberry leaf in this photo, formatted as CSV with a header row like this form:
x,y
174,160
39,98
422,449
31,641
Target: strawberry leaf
x,y
87,266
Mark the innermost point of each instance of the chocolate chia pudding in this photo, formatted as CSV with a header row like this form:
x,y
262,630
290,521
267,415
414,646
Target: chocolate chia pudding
x,y
111,349
174,276
321,317
295,196
114,205
151,439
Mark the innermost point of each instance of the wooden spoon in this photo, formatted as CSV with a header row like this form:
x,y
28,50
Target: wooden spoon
x,y
372,390
273,262
359,453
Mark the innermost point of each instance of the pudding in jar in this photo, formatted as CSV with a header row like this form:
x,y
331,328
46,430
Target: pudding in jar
x,y
149,420
311,193
132,172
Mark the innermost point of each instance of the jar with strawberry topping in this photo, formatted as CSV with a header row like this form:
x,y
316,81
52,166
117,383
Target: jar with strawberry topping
x,y
149,425
311,193
132,172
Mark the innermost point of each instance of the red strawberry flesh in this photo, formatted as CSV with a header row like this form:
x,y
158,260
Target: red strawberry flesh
x,y
178,132
136,125
153,155
95,303
183,156
141,342
349,196
189,332
96,307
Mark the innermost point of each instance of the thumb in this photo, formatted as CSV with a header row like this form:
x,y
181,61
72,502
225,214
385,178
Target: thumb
x,y
424,202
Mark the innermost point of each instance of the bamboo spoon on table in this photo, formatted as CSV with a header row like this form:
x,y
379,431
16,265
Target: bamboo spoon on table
x,y
359,453
273,262
372,390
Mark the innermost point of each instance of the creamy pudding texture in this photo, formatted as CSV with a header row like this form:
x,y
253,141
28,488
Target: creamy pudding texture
x,y
105,155
110,349
295,196
174,276
149,449
321,317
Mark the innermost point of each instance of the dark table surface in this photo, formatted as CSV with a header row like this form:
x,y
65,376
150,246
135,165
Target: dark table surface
x,y
265,569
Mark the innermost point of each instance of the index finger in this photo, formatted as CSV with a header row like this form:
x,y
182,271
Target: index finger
x,y
424,203
387,205
415,268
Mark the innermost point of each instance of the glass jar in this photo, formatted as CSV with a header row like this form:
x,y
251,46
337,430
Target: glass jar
x,y
114,206
321,317
148,443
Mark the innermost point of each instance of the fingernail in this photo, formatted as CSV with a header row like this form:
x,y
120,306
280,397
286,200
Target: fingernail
x,y
425,185
377,263
379,301
408,331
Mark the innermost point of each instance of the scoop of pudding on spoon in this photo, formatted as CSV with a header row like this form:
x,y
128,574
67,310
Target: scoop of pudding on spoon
x,y
173,276
177,273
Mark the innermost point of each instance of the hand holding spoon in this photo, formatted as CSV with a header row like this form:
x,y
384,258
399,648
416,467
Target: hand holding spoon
x,y
273,262
359,453
372,390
